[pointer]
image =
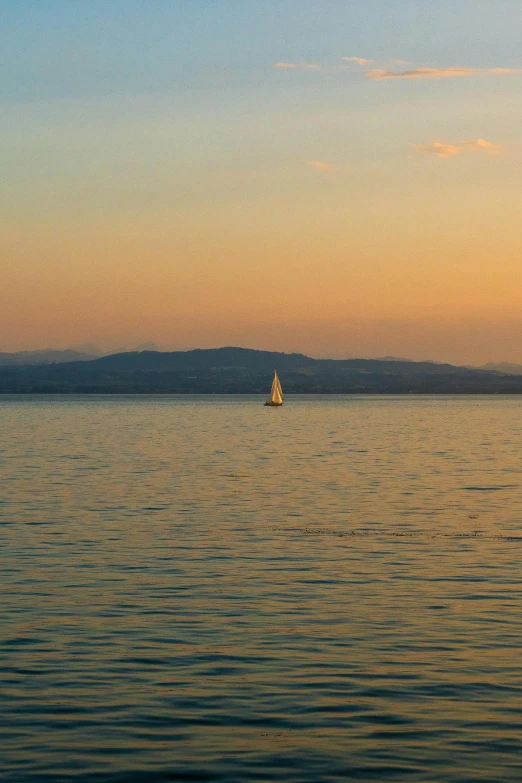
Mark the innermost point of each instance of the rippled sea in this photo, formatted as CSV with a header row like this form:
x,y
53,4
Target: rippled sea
x,y
204,589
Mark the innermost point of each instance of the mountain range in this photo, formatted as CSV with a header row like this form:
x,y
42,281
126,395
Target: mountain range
x,y
243,370
44,357
82,353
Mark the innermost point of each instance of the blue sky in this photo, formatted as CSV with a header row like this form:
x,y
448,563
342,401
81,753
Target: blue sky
x,y
68,49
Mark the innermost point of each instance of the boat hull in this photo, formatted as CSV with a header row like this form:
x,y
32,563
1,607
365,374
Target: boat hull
x,y
271,404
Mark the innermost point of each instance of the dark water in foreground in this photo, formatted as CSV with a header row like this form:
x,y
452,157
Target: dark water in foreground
x,y
203,589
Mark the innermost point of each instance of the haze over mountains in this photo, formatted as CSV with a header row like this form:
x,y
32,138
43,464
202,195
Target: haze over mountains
x,y
507,367
240,370
44,357
81,353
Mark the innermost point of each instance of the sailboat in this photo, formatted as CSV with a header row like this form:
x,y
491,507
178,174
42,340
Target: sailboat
x,y
276,395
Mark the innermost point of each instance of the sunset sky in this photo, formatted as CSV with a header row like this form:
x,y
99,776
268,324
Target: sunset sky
x,y
334,177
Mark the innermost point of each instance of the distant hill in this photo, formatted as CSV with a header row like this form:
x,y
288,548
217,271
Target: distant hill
x,y
44,357
242,370
506,367
81,353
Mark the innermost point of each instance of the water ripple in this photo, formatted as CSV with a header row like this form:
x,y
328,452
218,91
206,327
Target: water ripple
x,y
196,590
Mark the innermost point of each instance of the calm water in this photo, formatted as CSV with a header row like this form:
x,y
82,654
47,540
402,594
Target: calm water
x,y
203,589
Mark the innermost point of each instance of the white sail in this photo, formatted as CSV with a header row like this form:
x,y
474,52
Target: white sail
x,y
276,395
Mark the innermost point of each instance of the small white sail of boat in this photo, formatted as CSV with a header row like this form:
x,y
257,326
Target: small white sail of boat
x,y
276,395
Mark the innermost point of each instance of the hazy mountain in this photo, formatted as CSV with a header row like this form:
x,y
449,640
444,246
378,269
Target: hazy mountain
x,y
507,367
392,359
121,349
241,370
44,357
79,353
90,348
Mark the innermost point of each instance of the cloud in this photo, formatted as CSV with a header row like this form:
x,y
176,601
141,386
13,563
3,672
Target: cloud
x,y
358,60
320,165
443,150
378,75
297,66
326,70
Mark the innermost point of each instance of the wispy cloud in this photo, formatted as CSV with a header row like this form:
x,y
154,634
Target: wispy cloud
x,y
320,165
297,66
358,60
443,150
378,75
383,74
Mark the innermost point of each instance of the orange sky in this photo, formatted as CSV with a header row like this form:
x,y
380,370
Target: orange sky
x,y
326,205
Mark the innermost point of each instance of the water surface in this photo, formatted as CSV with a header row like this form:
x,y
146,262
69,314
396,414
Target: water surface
x,y
204,589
